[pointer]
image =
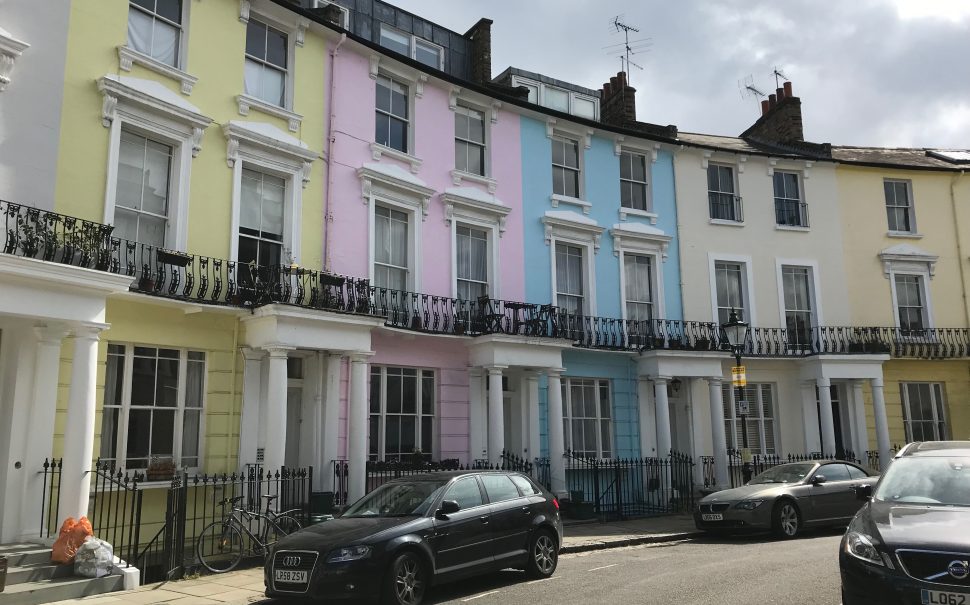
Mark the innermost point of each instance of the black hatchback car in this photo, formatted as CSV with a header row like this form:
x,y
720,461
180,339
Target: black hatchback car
x,y
910,542
410,534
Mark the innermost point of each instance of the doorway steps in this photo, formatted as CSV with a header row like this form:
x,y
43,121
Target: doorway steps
x,y
32,578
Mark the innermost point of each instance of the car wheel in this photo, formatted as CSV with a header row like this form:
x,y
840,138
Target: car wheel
x,y
406,581
543,555
786,520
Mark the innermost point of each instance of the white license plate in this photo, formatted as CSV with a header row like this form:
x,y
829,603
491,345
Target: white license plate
x,y
715,517
292,577
938,597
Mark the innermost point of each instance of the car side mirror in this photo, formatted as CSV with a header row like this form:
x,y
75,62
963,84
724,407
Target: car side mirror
x,y
818,479
448,507
863,492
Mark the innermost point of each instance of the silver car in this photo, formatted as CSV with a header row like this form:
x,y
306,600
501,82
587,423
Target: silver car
x,y
787,498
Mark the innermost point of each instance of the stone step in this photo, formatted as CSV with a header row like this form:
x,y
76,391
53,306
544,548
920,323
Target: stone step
x,y
37,572
58,589
26,554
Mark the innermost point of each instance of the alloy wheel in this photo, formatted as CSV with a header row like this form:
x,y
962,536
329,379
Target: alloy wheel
x,y
789,520
407,581
545,554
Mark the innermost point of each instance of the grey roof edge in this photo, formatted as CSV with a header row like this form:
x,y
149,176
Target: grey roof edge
x,y
517,71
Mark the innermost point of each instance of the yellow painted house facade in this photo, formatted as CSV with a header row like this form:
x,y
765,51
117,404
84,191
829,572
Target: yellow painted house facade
x,y
906,225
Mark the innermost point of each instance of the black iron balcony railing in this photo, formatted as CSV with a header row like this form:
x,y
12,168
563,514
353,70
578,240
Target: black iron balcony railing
x,y
38,234
791,213
725,206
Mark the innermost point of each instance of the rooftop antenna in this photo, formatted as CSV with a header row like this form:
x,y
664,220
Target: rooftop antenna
x,y
748,90
627,47
779,75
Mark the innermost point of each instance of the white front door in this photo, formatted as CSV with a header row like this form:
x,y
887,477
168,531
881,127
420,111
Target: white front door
x,y
680,425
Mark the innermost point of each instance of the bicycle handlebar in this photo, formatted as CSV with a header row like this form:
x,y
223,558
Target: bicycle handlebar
x,y
232,500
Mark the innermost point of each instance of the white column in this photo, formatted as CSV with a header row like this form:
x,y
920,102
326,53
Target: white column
x,y
311,429
40,425
810,416
357,428
648,438
825,414
477,425
79,435
249,417
882,424
718,437
557,442
531,401
496,415
331,420
274,451
662,411
859,411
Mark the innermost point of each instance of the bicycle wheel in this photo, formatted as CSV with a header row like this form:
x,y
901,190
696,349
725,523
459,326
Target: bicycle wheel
x,y
219,547
279,527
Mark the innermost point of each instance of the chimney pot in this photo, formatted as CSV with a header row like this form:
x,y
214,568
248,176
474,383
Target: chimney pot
x,y
764,106
780,94
772,101
788,92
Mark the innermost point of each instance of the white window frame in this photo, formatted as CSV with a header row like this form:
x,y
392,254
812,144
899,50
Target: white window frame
x,y
567,416
258,147
480,212
814,284
648,183
913,231
729,395
627,241
654,302
124,416
413,45
941,404
436,404
162,119
747,275
387,188
379,66
408,121
540,87
490,109
559,229
924,281
735,170
621,145
128,56
294,34
802,200
491,255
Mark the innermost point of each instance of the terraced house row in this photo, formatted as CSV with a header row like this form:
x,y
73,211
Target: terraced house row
x,y
316,234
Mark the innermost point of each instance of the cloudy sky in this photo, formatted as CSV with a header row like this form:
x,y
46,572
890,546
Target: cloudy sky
x,y
869,72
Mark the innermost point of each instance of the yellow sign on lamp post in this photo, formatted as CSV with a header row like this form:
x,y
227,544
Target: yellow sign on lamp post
x,y
738,377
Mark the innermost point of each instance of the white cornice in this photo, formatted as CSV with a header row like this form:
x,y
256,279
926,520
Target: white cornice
x,y
563,223
466,203
10,49
134,91
245,103
128,56
378,178
278,144
635,237
907,254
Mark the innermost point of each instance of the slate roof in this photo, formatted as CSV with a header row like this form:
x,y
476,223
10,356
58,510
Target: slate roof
x,y
893,157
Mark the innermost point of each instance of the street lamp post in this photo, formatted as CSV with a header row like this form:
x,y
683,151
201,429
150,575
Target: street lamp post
x,y
736,332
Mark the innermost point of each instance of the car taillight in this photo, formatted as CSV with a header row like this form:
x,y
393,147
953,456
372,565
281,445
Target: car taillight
x,y
555,502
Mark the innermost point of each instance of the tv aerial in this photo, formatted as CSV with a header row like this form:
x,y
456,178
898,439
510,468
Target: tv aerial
x,y
628,47
748,90
779,76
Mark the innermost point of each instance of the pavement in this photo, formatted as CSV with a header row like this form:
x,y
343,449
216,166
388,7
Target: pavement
x,y
246,586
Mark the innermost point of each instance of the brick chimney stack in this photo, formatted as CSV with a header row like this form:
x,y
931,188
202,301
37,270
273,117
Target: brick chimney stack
x,y
781,118
480,60
618,104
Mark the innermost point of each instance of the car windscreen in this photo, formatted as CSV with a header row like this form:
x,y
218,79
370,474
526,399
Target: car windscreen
x,y
936,480
785,473
398,500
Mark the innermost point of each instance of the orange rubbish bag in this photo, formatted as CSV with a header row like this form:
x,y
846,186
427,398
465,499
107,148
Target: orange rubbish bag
x,y
71,537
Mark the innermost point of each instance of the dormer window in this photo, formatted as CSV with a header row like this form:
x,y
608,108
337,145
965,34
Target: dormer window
x,y
411,46
559,98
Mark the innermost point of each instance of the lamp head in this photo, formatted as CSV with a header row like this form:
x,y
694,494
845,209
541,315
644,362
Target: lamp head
x,y
735,330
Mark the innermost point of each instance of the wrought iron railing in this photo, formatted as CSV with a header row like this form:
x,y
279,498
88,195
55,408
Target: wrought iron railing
x,y
39,234
725,206
116,509
791,213
50,498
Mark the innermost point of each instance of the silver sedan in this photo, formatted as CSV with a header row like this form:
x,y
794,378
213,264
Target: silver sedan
x,y
787,498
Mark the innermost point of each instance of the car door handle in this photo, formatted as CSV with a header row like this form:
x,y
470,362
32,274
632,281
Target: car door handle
x,y
484,520
527,510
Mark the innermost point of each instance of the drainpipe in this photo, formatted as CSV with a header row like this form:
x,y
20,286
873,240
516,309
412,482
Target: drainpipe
x,y
960,249
331,143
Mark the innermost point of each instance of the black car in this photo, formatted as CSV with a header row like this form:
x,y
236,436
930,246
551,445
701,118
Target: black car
x,y
412,533
910,542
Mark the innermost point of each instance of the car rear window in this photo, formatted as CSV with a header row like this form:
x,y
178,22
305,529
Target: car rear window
x,y
855,472
499,488
525,486
834,472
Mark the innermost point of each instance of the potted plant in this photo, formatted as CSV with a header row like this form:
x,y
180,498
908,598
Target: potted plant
x,y
702,344
173,257
160,469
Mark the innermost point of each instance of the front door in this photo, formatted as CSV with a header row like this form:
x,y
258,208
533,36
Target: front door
x,y
841,435
463,541
294,420
680,440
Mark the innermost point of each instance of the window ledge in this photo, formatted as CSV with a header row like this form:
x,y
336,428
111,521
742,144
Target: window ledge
x,y
129,56
557,199
904,235
624,212
246,103
457,176
378,150
725,222
792,228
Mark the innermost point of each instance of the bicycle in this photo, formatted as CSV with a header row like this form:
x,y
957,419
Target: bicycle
x,y
220,545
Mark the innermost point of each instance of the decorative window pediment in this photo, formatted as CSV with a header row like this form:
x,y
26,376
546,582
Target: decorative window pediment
x,y
636,237
270,146
907,257
393,182
10,49
571,225
469,203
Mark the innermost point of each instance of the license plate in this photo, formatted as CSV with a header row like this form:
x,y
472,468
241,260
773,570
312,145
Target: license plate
x,y
938,597
291,576
714,517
